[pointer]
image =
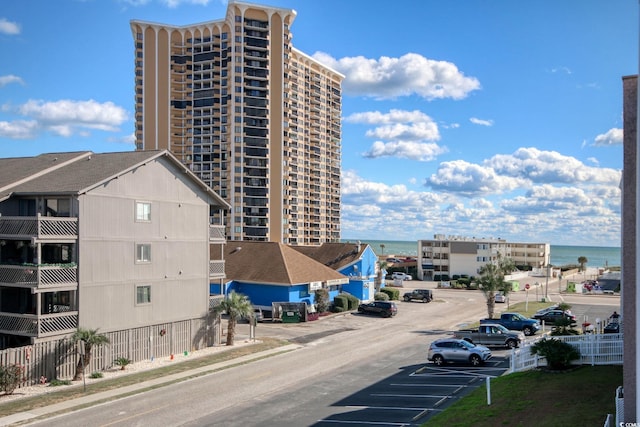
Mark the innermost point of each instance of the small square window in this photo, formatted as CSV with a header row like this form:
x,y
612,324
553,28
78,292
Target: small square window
x,y
143,211
143,294
143,252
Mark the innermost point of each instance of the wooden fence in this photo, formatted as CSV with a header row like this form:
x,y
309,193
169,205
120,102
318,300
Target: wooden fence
x,y
58,359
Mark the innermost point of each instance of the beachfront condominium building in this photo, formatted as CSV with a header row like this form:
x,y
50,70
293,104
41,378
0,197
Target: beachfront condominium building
x,y
250,115
443,257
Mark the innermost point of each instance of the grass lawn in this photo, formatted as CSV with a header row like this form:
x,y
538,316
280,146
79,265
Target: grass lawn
x,y
580,397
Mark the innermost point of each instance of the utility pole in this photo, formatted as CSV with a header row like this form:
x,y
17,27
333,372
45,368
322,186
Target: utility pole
x,y
546,288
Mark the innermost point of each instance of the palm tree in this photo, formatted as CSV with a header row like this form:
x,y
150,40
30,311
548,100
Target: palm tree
x,y
236,306
492,281
582,261
382,266
90,338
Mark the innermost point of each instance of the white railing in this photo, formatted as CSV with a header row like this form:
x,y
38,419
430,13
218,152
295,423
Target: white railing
x,y
595,349
41,227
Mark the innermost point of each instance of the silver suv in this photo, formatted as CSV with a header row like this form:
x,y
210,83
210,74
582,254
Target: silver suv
x,y
457,350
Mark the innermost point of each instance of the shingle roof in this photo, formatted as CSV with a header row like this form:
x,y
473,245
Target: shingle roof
x,y
273,263
15,170
333,255
74,173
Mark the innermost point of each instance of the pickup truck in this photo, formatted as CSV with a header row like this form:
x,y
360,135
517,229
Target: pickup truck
x,y
515,322
491,334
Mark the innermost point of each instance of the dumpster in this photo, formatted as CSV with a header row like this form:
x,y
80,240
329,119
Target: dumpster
x,y
289,316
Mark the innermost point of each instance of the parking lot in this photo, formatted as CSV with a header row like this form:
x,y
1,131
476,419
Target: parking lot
x,y
415,394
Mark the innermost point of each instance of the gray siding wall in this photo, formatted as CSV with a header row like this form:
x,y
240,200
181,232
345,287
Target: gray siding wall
x,y
179,237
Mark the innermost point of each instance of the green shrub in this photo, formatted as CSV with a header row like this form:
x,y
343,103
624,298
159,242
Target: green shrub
x,y
96,375
56,382
10,377
393,293
122,362
464,281
340,303
381,296
352,302
558,353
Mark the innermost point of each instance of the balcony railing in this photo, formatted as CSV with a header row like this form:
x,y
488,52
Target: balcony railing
x,y
216,269
40,227
38,326
216,233
40,276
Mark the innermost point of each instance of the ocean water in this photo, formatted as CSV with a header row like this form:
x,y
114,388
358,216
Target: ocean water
x,y
560,255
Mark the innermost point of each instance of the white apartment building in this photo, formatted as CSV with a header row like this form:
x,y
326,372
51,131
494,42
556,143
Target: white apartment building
x,y
443,257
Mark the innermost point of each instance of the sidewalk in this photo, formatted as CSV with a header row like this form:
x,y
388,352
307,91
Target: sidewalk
x,y
113,394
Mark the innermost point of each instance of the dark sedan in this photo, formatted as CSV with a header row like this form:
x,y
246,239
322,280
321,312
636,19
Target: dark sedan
x,y
381,308
550,317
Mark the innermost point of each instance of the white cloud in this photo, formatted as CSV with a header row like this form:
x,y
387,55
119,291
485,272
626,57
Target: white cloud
x,y
611,137
549,167
410,74
585,214
469,179
404,133
423,152
564,70
8,79
481,122
19,129
8,27
64,118
176,3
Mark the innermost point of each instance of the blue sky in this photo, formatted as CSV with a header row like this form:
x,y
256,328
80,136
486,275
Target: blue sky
x,y
494,118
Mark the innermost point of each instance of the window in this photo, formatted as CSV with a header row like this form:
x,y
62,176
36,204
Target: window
x,y
143,294
57,207
143,252
143,211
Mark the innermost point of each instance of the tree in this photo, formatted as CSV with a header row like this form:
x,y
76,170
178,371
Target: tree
x,y
382,267
236,306
582,261
89,338
491,280
321,298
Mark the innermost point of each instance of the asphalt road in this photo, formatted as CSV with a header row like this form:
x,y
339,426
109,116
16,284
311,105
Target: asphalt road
x,y
350,369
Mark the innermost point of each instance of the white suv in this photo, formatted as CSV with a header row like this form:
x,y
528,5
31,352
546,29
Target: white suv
x,y
401,276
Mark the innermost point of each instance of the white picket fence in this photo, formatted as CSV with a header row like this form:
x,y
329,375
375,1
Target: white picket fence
x,y
595,349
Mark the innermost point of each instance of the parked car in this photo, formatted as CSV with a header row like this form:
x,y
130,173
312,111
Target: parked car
x,y
257,315
612,328
491,335
381,308
394,260
454,350
500,298
424,295
550,317
400,275
551,307
515,322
